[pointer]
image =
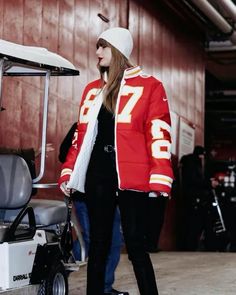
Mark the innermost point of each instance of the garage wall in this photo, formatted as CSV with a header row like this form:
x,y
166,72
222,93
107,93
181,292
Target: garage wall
x,y
163,47
174,55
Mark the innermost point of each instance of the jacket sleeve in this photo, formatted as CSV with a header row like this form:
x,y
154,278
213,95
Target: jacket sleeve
x,y
66,143
68,165
158,138
70,157
72,154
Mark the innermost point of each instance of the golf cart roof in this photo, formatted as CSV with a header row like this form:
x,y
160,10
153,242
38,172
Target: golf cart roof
x,y
21,60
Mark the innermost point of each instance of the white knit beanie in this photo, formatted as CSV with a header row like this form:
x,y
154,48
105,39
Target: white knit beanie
x,y
120,38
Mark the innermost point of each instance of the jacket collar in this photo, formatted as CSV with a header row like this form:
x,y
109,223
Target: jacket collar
x,y
132,72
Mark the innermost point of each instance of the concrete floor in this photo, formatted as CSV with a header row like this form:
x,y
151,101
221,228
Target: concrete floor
x,y
178,273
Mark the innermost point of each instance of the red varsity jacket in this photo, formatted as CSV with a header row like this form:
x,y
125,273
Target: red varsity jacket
x,y
142,133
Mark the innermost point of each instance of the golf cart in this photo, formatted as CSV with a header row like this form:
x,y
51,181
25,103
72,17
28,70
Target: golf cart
x,y
35,234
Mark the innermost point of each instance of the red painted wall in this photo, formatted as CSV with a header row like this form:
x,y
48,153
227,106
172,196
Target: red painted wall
x,y
163,47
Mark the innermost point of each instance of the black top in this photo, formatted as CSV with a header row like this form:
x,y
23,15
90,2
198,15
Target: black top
x,y
106,125
102,161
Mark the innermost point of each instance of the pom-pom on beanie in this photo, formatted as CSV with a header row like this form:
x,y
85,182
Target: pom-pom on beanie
x,y
120,38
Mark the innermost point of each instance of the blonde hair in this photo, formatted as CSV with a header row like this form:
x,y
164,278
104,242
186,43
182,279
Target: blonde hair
x,y
114,75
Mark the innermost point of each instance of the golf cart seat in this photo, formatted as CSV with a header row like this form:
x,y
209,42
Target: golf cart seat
x,y
15,182
15,193
46,212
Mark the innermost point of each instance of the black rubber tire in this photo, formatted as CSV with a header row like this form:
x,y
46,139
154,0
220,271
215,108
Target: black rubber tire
x,y
57,281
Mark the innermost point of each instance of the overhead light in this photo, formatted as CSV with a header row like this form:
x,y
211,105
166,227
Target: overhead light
x,y
222,92
228,119
215,46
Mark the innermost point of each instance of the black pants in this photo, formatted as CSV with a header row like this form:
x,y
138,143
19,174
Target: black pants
x,y
102,199
155,218
199,220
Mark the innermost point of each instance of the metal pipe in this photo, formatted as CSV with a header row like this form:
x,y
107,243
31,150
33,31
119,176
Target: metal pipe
x,y
45,185
44,128
216,18
1,78
229,7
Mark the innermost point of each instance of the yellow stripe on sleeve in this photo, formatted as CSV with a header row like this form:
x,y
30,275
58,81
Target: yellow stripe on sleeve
x,y
161,179
66,171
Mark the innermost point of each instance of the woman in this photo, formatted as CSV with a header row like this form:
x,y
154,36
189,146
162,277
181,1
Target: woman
x,y
80,205
120,152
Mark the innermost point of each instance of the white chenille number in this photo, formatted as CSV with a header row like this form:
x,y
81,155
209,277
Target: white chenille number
x,y
74,140
160,143
135,94
87,104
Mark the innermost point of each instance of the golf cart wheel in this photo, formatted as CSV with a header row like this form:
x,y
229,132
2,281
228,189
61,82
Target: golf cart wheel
x,y
56,283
